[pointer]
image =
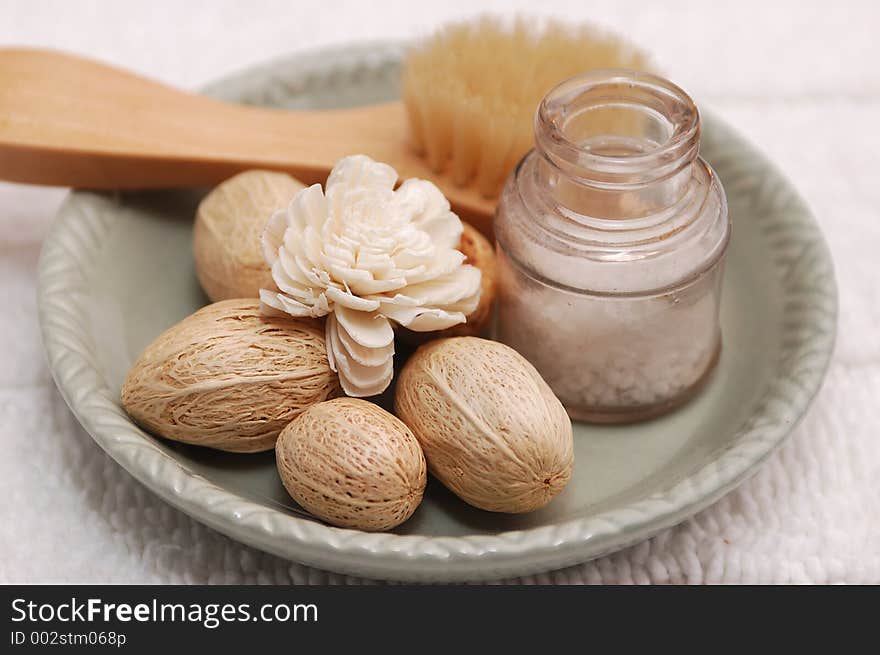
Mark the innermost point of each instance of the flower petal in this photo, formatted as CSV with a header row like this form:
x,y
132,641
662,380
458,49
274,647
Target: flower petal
x,y
370,330
362,283
291,268
351,301
356,171
357,380
415,255
362,355
448,289
308,208
431,211
334,250
273,235
310,246
270,310
329,339
446,261
465,306
285,304
290,286
422,319
378,263
362,382
316,277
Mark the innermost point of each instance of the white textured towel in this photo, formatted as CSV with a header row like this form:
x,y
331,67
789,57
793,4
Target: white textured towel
x,y
799,79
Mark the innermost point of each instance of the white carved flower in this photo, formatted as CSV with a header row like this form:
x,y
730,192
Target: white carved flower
x,y
365,256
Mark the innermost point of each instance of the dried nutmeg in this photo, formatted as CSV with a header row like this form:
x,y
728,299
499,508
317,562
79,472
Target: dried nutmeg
x,y
352,464
480,253
227,230
229,378
491,429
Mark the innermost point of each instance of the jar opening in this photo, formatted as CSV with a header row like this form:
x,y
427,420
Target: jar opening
x,y
617,127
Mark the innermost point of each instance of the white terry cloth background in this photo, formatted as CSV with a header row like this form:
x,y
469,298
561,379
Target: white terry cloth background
x,y
798,78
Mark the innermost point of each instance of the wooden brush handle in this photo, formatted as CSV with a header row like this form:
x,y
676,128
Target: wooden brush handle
x,y
69,121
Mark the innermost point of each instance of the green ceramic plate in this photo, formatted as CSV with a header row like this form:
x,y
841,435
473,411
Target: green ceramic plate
x,y
117,270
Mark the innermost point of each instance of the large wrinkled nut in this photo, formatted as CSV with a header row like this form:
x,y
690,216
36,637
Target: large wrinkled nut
x,y
226,236
229,378
491,429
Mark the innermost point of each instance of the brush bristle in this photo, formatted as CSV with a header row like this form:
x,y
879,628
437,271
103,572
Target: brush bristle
x,y
471,90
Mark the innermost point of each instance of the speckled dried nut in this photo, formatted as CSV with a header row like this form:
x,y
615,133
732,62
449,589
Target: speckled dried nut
x,y
491,429
227,230
352,464
229,378
480,253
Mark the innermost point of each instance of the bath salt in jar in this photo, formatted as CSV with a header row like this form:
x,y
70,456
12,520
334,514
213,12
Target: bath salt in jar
x,y
611,237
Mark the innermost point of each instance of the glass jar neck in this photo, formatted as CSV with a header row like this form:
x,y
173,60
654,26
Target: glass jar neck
x,y
616,144
614,199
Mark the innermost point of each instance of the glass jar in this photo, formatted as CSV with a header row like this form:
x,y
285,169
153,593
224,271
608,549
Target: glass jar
x,y
611,239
